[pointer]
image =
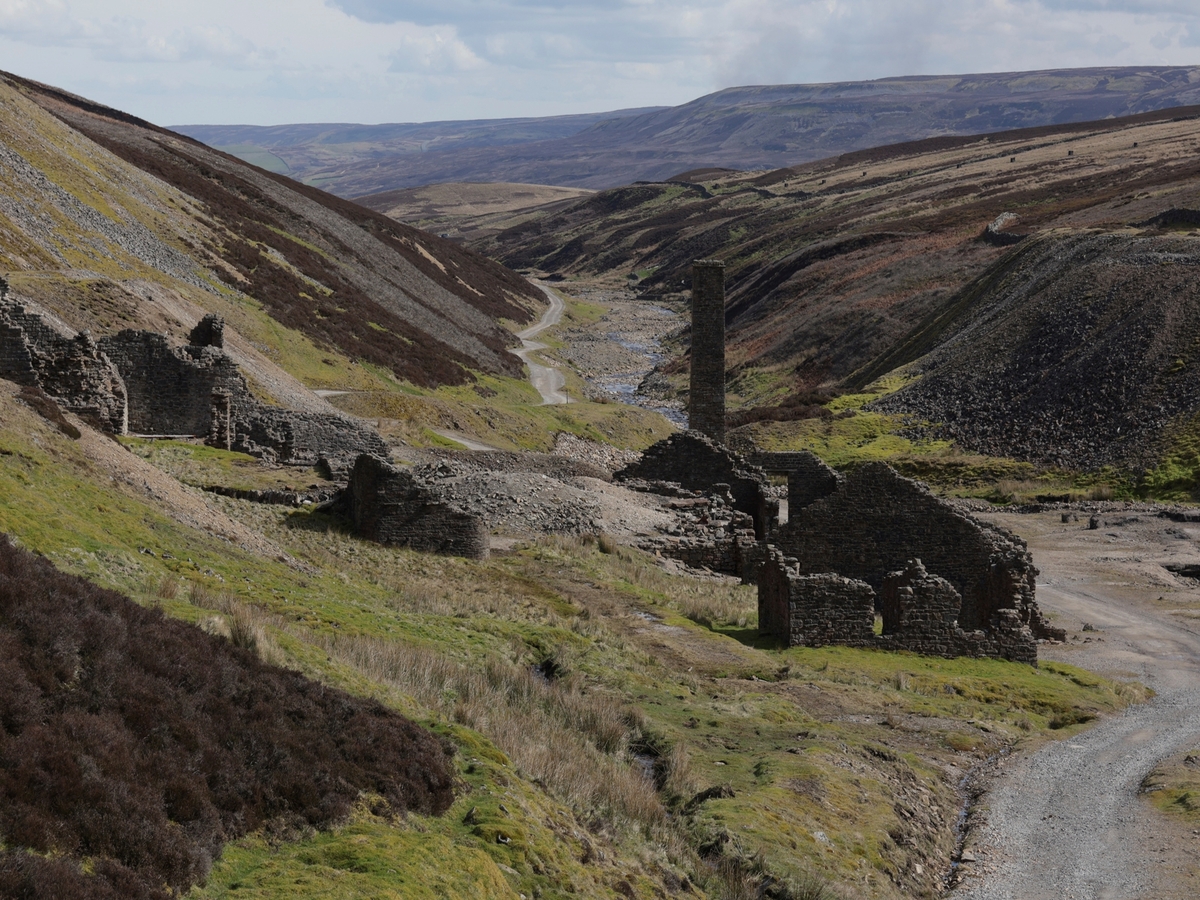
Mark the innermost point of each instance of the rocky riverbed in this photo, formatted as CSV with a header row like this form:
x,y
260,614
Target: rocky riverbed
x,y
618,353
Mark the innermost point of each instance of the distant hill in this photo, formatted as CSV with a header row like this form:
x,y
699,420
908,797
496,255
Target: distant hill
x,y
759,127
467,210
112,222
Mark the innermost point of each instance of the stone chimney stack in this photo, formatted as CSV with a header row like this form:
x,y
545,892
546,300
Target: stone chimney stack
x,y
706,408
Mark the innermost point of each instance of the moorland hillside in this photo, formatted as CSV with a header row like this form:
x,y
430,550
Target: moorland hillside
x,y
842,271
753,127
111,222
617,730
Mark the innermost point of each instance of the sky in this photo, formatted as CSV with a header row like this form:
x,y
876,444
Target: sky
x,y
266,62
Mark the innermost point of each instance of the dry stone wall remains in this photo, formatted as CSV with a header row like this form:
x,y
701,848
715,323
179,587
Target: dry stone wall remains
x,y
877,520
138,381
809,478
392,507
696,462
170,388
848,540
37,352
709,533
919,613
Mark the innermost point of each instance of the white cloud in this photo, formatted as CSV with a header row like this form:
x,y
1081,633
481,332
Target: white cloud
x,y
406,60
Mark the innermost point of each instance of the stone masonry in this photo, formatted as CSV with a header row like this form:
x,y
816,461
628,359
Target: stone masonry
x,y
696,462
138,381
876,521
37,351
706,397
709,534
171,388
392,507
919,613
809,479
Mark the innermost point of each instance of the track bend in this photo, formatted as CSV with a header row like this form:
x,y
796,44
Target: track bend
x,y
1066,822
548,380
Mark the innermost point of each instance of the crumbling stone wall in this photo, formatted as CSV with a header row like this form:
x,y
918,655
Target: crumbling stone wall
x,y
296,438
709,533
171,388
919,611
813,610
697,463
198,390
71,369
877,520
706,396
392,507
138,381
809,478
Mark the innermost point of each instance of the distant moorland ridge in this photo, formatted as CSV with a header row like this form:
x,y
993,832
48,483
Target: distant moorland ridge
x,y
753,127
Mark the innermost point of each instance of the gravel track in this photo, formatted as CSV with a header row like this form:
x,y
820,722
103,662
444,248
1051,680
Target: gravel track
x,y
549,380
1066,821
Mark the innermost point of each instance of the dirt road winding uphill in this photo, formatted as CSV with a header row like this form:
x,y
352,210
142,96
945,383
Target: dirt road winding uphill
x,y
1066,822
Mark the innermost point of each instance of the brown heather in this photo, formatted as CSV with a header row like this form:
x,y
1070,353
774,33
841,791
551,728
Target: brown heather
x,y
142,744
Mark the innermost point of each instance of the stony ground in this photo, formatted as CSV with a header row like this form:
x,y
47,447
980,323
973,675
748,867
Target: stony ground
x,y
1067,821
616,354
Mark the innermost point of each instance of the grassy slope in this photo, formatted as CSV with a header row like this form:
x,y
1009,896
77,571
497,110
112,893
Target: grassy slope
x,y
839,761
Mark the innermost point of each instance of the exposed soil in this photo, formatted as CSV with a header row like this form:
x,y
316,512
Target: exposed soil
x,y
1067,821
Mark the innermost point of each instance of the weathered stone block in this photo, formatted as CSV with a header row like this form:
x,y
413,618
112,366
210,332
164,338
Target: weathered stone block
x,y
392,507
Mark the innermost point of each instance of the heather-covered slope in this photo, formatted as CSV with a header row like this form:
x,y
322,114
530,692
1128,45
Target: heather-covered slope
x,y
112,222
141,745
751,127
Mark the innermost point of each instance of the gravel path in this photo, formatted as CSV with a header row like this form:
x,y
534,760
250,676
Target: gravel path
x,y
548,380
1066,821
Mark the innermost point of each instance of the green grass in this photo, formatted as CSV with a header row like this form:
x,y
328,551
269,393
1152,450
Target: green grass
x,y
258,156
1174,786
1177,475
200,465
854,435
827,741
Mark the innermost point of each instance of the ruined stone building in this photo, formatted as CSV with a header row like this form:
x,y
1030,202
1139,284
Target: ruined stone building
x,y
138,382
854,545
944,583
872,521
392,507
696,462
39,351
